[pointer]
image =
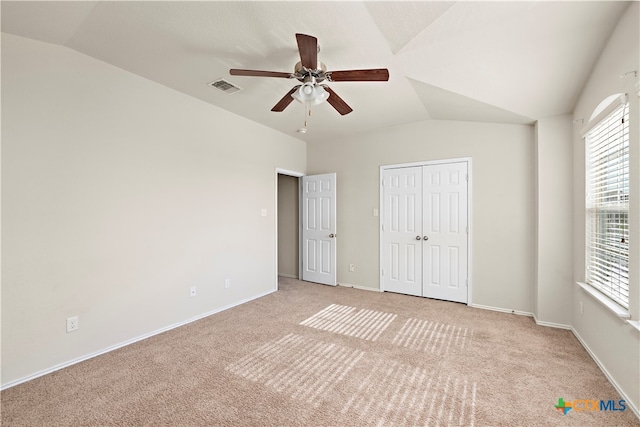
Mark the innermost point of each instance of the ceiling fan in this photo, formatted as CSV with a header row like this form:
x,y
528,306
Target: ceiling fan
x,y
311,73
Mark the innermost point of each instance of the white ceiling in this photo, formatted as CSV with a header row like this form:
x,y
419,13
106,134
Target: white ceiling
x,y
510,62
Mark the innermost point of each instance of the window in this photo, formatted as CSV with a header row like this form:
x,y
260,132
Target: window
x,y
607,204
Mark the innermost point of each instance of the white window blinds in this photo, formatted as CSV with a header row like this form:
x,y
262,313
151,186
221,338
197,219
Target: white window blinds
x,y
607,205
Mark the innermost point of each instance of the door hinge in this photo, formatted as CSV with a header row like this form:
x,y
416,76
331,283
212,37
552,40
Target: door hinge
x,y
466,177
467,283
382,227
382,273
466,229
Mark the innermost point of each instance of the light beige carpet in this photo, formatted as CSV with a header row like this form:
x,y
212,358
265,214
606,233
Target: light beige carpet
x,y
313,355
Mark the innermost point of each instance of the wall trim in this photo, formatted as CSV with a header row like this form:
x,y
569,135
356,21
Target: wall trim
x,y
502,310
523,313
551,324
128,342
362,288
628,401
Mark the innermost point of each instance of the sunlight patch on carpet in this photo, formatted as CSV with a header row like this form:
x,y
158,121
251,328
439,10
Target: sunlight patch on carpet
x,y
302,367
345,320
399,394
433,337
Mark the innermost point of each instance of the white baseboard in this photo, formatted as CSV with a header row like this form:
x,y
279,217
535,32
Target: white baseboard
x,y
551,324
126,343
628,401
502,310
363,288
522,313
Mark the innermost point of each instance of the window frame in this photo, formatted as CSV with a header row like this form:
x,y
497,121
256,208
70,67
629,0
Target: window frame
x,y
604,256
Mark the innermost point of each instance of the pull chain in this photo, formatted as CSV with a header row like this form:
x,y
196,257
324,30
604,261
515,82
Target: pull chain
x,y
307,112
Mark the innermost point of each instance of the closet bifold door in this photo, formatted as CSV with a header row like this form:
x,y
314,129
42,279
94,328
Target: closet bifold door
x,y
445,238
425,231
402,229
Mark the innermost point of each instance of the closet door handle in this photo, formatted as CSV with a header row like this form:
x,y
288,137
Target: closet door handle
x,y
418,237
426,237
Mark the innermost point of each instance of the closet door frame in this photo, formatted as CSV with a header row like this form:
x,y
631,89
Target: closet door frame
x,y
466,160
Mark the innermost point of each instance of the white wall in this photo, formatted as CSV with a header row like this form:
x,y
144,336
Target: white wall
x,y
613,343
553,284
503,197
118,194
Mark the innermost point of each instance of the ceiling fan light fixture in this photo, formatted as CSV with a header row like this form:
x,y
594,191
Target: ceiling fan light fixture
x,y
321,95
310,93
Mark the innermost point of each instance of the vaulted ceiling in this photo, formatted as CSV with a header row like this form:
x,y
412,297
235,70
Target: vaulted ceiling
x,y
507,62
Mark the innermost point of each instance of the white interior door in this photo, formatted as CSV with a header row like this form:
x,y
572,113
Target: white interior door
x,y
402,228
319,229
425,231
445,232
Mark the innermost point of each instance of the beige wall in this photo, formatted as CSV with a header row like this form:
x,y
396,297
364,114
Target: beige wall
x,y
502,200
116,199
553,284
118,194
288,230
613,343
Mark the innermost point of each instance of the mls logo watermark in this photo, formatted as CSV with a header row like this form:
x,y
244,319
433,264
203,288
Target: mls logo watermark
x,y
589,405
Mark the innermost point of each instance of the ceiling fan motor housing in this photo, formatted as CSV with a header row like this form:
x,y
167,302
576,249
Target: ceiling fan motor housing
x,y
304,74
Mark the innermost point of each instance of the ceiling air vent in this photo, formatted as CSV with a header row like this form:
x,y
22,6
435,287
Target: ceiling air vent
x,y
225,86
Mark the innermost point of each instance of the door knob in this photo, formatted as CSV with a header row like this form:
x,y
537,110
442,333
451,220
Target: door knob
x,y
418,237
332,235
426,237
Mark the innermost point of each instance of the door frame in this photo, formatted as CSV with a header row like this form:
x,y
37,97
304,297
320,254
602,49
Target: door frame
x,y
468,161
299,175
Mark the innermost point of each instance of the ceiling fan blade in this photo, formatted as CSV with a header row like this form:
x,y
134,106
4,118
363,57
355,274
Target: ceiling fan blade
x,y
285,101
308,48
260,73
376,74
337,102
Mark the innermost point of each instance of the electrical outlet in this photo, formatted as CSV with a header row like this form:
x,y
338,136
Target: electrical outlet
x,y
352,267
192,291
227,283
581,308
73,324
